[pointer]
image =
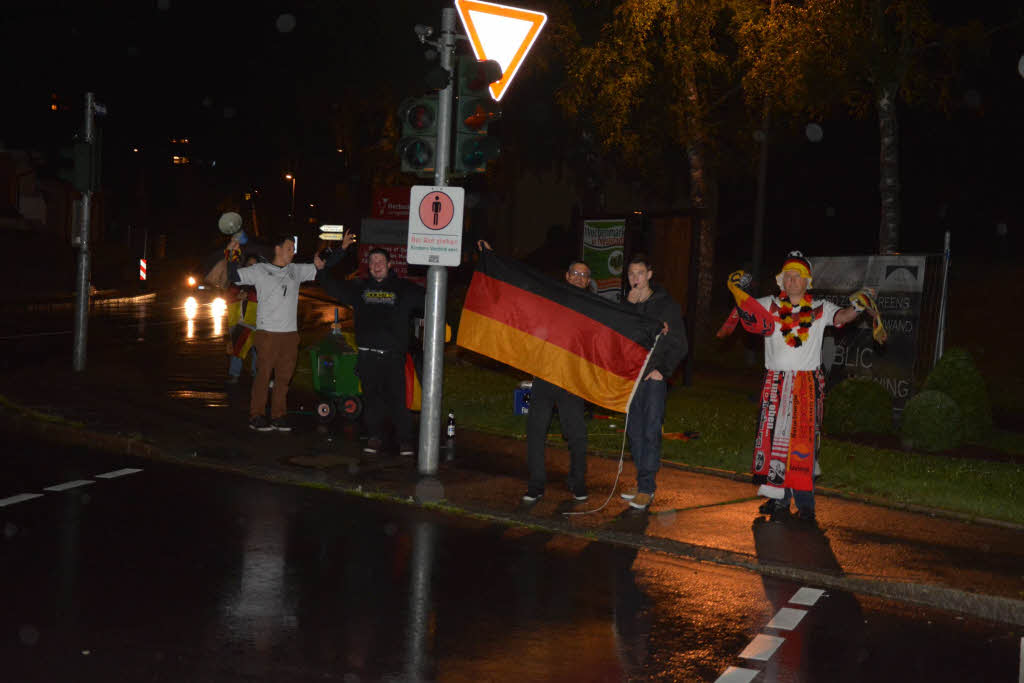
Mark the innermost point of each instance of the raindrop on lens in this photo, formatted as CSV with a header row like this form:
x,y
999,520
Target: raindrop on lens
x,y
286,23
28,634
814,132
10,530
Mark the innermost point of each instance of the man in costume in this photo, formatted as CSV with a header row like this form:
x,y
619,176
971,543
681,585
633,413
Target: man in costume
x,y
788,435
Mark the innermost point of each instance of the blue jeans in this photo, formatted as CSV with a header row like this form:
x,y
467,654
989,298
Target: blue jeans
x,y
646,413
804,500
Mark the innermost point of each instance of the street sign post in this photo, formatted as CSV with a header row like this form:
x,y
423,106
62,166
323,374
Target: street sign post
x,y
435,225
504,34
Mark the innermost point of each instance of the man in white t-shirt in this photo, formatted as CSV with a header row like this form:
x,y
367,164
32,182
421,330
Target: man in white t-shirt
x,y
788,436
276,338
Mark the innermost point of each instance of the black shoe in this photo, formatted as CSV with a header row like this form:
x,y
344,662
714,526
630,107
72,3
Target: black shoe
x,y
373,446
406,449
259,423
532,497
779,513
280,424
807,518
579,494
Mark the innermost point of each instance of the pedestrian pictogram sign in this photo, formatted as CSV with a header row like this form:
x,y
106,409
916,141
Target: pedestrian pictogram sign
x,y
504,34
435,225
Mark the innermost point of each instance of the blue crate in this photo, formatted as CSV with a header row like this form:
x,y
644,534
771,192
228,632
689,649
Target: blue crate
x,y
521,405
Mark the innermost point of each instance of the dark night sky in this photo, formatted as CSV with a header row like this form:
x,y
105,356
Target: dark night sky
x,y
235,70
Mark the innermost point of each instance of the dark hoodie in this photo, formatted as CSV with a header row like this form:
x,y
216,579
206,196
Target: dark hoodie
x,y
672,347
382,309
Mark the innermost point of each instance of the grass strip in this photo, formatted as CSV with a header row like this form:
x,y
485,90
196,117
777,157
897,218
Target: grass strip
x,y
724,413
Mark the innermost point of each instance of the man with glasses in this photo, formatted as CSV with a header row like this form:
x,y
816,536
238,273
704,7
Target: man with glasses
x,y
544,397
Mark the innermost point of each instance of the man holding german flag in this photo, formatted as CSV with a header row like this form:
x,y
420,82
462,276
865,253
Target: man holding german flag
x,y
590,347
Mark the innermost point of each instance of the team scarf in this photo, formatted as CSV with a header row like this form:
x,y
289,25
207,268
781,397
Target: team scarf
x,y
748,311
789,431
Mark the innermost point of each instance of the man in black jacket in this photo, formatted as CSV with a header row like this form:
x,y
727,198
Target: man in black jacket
x,y
647,409
383,304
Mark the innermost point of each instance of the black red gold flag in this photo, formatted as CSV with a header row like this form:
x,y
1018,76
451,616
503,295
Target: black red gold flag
x,y
592,347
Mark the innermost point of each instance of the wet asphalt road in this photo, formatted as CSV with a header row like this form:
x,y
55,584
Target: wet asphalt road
x,y
176,573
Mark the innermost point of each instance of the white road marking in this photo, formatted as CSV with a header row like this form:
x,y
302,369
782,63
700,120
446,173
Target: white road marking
x,y
737,675
762,647
1021,679
69,485
4,502
118,473
806,596
787,618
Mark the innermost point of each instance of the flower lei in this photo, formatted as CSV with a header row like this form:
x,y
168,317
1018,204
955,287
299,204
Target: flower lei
x,y
795,332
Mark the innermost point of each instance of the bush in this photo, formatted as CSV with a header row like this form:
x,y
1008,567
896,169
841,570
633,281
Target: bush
x,y
957,376
858,405
932,421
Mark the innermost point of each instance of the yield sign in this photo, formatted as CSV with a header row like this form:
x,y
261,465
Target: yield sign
x,y
504,34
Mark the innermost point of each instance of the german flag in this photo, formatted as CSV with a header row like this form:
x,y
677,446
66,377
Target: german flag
x,y
587,345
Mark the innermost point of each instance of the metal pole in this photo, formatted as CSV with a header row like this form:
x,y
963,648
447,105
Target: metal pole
x,y
437,276
940,337
82,284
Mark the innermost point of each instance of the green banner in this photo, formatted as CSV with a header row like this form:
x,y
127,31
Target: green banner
x,y
603,244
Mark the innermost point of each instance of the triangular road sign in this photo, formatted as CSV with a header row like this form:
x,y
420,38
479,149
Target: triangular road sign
x,y
504,34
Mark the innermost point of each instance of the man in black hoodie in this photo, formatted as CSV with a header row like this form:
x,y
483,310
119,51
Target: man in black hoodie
x,y
383,304
647,410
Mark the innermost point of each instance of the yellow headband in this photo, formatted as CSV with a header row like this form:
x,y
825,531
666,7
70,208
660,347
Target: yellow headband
x,y
798,268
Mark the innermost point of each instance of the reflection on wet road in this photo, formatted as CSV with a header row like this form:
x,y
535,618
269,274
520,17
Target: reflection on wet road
x,y
181,332
185,574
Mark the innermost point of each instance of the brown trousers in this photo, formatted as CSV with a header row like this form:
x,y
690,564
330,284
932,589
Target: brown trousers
x,y
278,352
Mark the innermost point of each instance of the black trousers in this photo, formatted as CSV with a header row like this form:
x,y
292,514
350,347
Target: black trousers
x,y
543,398
382,376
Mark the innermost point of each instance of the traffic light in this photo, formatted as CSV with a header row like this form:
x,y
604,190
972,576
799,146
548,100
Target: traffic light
x,y
80,165
419,135
475,110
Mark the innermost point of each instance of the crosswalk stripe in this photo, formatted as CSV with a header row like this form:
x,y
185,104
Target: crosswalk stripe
x,y
737,675
787,618
762,647
69,485
806,596
4,502
118,473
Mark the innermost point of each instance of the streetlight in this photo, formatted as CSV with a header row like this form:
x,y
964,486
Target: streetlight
x,y
291,214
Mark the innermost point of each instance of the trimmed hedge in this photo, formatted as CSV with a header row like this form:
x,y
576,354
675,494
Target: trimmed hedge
x,y
932,421
858,405
957,376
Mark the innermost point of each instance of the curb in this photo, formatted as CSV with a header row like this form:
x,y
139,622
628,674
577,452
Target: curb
x,y
818,490
993,608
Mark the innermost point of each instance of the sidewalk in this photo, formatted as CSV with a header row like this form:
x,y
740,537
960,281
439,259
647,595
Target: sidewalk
x,y
184,413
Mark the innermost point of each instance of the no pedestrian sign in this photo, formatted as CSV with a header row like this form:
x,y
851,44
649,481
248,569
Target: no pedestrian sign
x,y
435,225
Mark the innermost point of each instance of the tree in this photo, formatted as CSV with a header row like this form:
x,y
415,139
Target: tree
x,y
653,81
862,55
